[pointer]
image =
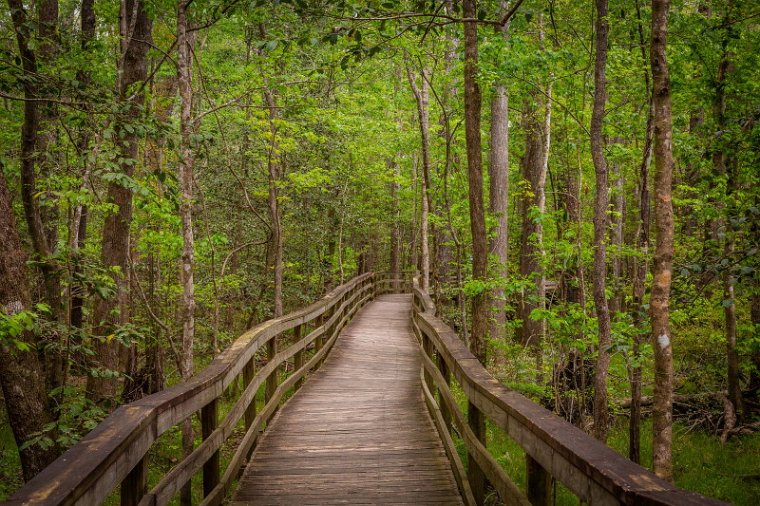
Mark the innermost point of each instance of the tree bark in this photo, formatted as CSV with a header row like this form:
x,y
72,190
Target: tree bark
x,y
472,110
601,412
662,423
724,163
185,176
421,97
640,266
498,170
275,214
21,374
110,314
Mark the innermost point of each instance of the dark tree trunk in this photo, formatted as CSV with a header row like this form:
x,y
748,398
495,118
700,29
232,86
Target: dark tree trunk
x,y
109,314
640,266
659,308
601,412
472,109
21,375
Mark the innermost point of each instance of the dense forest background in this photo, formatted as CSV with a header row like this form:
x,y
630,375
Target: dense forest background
x,y
173,172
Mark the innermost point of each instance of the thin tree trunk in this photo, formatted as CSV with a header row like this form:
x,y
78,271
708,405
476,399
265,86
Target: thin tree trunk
x,y
601,412
472,110
185,176
659,309
421,96
640,266
109,314
275,214
498,169
395,253
21,374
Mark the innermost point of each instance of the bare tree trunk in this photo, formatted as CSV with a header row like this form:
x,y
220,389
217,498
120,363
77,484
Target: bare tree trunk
x,y
275,214
421,96
109,314
498,169
725,166
21,374
472,109
640,266
659,309
395,254
186,160
601,413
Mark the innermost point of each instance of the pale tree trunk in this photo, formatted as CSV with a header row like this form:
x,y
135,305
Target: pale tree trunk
x,y
395,253
659,309
498,170
472,110
275,213
421,96
617,237
21,374
601,412
640,265
185,176
109,314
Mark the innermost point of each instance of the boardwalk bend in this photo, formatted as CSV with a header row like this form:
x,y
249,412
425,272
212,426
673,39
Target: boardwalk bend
x,y
357,409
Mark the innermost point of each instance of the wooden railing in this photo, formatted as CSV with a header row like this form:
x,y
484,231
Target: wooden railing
x,y
554,449
115,453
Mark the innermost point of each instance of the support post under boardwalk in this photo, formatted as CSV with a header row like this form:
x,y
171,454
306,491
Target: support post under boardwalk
x,y
539,483
475,475
209,420
134,486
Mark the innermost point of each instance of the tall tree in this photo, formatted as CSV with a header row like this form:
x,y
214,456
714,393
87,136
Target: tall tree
x,y
422,98
186,161
601,203
21,373
472,110
111,313
662,264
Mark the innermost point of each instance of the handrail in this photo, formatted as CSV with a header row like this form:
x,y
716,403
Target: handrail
x,y
115,451
554,448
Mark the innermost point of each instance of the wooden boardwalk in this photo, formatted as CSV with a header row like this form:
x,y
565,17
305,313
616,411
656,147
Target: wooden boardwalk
x,y
358,431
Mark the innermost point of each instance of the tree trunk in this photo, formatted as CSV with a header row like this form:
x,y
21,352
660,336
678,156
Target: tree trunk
x,y
498,170
275,214
640,266
185,176
395,253
659,310
601,413
724,163
110,314
421,96
479,335
21,375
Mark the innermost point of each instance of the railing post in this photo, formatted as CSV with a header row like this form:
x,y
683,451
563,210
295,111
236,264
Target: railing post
x,y
274,378
298,360
539,483
209,420
475,475
135,485
445,413
427,346
249,370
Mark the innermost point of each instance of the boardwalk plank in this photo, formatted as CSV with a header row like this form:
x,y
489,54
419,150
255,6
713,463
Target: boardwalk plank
x,y
358,431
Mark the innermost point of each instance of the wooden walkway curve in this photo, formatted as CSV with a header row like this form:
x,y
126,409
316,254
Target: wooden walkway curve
x,y
358,431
